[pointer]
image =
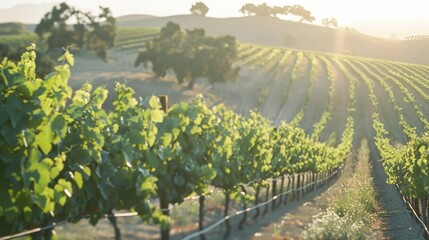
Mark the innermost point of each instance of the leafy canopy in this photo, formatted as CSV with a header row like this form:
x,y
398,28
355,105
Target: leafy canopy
x,y
199,8
90,32
190,55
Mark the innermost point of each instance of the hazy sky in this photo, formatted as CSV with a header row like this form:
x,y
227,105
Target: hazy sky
x,y
346,11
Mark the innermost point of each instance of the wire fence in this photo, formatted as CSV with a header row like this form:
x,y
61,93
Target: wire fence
x,y
211,227
297,185
420,210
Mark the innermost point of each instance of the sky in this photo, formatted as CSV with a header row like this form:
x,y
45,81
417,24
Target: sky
x,y
347,12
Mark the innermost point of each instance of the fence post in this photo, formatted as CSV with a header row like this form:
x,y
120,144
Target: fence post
x,y
201,217
258,189
243,220
273,194
281,191
164,102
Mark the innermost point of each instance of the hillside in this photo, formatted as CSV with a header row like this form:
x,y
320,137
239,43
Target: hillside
x,y
271,31
25,13
325,94
318,92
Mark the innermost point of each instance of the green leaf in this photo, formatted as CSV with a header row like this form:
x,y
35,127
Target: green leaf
x,y
41,201
166,139
12,213
151,140
67,57
156,115
78,179
153,102
38,172
147,186
14,109
86,170
63,189
59,125
44,139
176,133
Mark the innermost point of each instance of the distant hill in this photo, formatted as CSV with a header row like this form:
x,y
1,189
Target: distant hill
x,y
271,31
134,17
25,13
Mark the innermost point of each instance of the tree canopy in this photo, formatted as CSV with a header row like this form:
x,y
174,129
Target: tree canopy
x,y
65,26
199,8
263,10
330,22
191,54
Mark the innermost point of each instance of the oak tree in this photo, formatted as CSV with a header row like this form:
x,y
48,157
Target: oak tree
x,y
190,55
199,8
65,26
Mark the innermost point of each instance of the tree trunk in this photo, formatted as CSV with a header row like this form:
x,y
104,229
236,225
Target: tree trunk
x,y
191,84
112,220
281,191
201,217
298,190
287,190
258,189
293,188
46,234
165,232
267,195
273,194
243,220
225,213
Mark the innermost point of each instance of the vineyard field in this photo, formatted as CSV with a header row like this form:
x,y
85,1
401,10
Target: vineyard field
x,y
94,132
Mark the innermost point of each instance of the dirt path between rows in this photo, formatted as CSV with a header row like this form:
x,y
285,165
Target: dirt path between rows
x,y
398,222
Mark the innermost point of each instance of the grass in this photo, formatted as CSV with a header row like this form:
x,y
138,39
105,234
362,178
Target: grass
x,y
351,206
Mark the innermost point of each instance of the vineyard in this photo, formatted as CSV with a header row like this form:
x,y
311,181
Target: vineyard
x,y
67,158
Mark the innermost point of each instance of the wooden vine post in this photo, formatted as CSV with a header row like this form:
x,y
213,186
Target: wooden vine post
x,y
165,230
163,99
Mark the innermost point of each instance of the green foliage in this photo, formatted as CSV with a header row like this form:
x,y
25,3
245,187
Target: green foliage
x,y
199,8
330,22
263,10
90,32
63,157
330,225
352,204
43,61
407,166
32,124
191,55
18,40
12,28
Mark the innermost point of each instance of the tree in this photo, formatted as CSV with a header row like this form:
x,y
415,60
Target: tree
x,y
199,8
276,10
330,22
301,12
247,9
90,32
261,10
191,55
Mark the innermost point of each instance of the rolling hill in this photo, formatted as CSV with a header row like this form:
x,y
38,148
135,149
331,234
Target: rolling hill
x,y
271,31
